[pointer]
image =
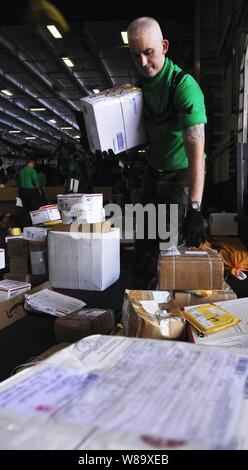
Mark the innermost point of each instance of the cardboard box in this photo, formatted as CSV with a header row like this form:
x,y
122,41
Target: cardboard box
x,y
66,202
114,119
84,208
13,309
184,299
18,277
191,270
38,262
10,289
45,214
35,233
139,322
86,322
17,248
99,227
2,258
19,265
35,245
223,223
84,260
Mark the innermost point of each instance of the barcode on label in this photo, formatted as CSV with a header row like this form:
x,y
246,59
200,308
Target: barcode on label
x,y
241,366
120,141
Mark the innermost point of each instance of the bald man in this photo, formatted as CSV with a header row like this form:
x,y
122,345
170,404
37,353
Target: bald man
x,y
175,115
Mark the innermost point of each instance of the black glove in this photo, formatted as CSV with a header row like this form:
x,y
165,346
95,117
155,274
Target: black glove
x,y
193,229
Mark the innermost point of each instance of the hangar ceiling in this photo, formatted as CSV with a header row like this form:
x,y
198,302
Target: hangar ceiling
x,y
40,93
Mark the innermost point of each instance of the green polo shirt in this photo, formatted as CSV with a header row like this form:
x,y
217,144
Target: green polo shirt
x,y
28,178
167,113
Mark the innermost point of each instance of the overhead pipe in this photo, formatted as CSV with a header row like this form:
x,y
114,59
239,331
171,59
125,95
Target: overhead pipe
x,y
25,147
42,91
46,127
10,109
10,123
38,118
73,75
41,101
18,53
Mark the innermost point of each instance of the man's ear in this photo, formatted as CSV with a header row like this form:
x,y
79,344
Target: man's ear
x,y
165,46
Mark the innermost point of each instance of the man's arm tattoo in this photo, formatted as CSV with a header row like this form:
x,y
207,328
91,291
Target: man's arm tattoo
x,y
194,133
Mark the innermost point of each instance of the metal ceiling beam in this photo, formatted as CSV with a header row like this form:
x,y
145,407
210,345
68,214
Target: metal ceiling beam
x,y
17,52
96,55
41,90
13,110
71,74
8,120
30,117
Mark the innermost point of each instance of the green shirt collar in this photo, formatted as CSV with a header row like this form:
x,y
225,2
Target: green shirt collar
x,y
153,82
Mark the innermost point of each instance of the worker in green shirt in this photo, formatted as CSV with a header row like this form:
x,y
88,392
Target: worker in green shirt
x,y
29,187
42,184
175,115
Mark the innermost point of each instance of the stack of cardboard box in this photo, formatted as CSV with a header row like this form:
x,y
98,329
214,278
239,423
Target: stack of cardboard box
x,y
196,277
28,260
18,254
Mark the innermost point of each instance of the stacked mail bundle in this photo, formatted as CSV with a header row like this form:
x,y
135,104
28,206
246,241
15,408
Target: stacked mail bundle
x,y
10,289
112,392
45,214
53,303
235,336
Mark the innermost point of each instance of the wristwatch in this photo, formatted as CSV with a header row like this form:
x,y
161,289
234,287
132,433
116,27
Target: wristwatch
x,y
194,206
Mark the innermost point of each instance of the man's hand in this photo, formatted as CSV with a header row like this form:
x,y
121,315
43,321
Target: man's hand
x,y
193,229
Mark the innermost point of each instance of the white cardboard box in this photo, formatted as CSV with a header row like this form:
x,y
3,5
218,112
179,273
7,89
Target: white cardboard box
x,y
10,289
88,261
114,120
2,258
45,214
35,233
85,208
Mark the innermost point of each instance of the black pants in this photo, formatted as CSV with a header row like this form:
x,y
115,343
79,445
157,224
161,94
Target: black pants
x,y
31,201
163,187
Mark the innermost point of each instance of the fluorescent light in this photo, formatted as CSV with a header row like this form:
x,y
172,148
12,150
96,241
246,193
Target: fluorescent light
x,y
67,61
141,151
30,138
66,127
124,37
37,109
14,132
7,92
77,136
54,31
95,90
53,121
